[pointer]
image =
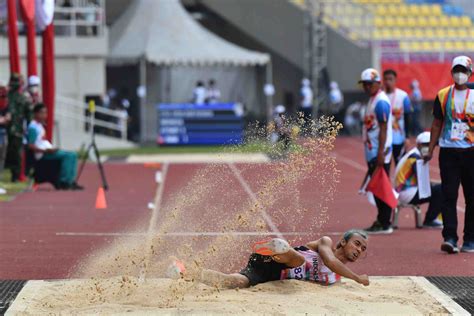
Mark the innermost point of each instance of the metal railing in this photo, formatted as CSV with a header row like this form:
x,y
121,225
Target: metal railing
x,y
77,114
82,18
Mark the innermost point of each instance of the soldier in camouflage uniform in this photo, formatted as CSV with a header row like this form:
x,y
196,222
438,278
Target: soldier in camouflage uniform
x,y
20,110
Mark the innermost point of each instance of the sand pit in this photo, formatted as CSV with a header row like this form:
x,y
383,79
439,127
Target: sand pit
x,y
388,295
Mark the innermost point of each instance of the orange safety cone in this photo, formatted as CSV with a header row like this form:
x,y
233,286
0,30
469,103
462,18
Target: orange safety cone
x,y
100,202
152,165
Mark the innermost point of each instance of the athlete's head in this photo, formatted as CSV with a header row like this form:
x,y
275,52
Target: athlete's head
x,y
354,244
40,113
370,80
390,79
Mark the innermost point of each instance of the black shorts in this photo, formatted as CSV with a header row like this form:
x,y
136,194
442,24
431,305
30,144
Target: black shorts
x,y
261,269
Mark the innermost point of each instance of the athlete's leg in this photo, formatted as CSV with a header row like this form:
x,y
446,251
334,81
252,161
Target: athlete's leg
x,y
280,251
291,258
219,279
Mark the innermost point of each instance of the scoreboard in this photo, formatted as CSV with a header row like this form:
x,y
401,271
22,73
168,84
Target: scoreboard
x,y
207,124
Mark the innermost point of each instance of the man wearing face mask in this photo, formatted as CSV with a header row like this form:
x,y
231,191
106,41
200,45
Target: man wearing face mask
x,y
377,136
406,182
453,125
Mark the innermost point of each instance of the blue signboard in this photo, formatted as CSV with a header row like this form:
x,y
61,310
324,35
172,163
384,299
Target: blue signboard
x,y
207,124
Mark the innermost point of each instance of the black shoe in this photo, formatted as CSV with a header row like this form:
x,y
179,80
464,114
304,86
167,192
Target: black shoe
x,y
467,246
76,187
63,186
449,246
377,228
433,224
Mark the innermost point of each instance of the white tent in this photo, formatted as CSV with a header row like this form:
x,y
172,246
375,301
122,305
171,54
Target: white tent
x,y
173,51
163,33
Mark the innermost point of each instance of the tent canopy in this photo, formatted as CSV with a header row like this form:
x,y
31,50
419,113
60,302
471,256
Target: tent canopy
x,y
162,32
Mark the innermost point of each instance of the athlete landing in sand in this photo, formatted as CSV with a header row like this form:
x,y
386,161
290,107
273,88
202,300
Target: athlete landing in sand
x,y
319,261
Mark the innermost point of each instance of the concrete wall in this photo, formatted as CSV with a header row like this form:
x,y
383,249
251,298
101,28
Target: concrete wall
x,y
276,24
346,60
80,64
286,75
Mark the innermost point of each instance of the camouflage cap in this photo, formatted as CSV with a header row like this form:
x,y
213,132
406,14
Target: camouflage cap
x,y
15,79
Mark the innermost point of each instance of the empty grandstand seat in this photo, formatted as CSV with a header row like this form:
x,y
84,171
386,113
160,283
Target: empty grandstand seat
x,y
462,33
378,21
400,21
436,10
454,21
433,21
459,46
419,34
444,21
466,21
422,21
430,33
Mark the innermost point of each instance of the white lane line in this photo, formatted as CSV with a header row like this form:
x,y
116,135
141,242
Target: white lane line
x,y
447,302
252,195
361,167
183,234
350,162
201,158
154,218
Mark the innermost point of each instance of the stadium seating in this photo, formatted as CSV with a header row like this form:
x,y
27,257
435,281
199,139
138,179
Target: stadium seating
x,y
415,25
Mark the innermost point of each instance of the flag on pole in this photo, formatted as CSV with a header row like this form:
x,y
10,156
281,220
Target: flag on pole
x,y
381,187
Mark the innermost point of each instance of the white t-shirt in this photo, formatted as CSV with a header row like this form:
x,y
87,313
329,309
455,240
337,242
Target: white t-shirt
x,y
307,95
213,95
36,136
199,95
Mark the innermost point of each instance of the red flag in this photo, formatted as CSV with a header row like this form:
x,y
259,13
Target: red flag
x,y
381,187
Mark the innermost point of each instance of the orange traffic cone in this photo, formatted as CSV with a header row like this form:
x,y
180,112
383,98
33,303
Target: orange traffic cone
x,y
152,165
100,202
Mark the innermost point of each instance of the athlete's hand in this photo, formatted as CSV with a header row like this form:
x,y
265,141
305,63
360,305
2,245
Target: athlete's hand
x,y
363,279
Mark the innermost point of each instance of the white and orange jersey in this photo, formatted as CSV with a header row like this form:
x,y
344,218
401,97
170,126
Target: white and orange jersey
x,y
313,269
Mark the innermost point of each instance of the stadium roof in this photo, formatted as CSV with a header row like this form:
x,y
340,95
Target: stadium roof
x,y
165,34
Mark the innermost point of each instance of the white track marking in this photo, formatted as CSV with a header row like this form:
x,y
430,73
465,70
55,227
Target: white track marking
x,y
200,158
351,162
154,218
452,307
252,195
184,234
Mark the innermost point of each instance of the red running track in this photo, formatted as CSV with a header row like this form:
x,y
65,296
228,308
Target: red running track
x,y
31,248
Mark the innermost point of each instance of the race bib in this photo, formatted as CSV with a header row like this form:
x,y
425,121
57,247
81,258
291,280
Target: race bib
x,y
458,130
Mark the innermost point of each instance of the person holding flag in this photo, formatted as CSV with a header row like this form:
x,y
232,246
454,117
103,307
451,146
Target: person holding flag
x,y
377,136
453,127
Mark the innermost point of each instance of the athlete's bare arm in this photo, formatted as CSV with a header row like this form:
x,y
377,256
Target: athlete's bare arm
x,y
324,247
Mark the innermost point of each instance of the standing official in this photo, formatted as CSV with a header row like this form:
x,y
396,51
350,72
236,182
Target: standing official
x,y
20,115
453,125
377,133
401,106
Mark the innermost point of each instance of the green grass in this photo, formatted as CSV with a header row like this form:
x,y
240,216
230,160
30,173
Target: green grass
x,y
12,188
254,147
